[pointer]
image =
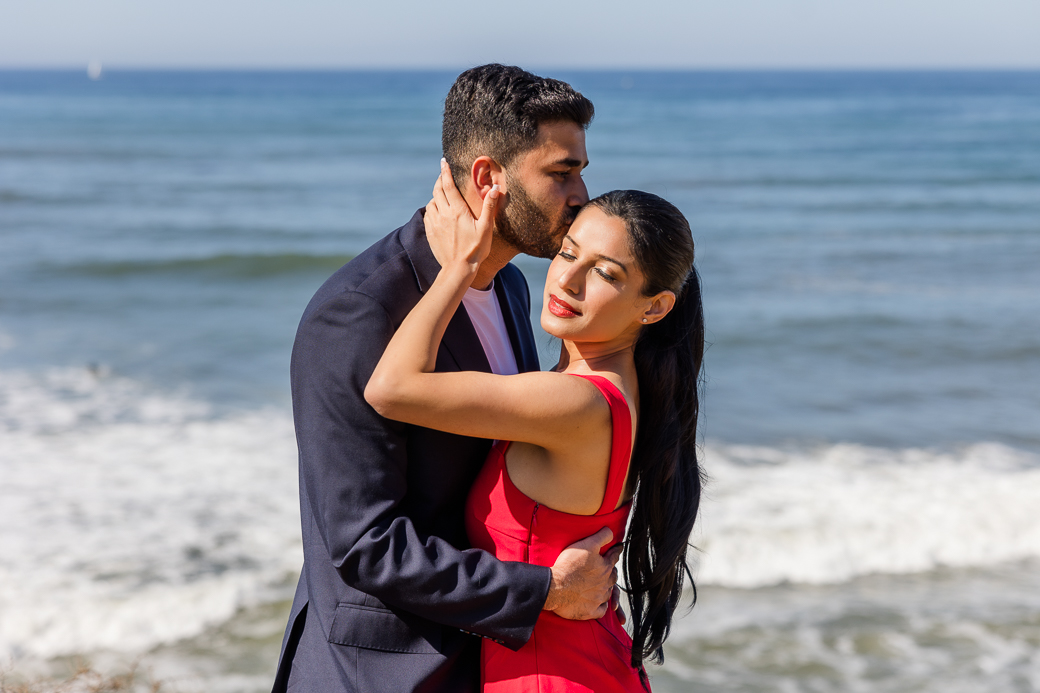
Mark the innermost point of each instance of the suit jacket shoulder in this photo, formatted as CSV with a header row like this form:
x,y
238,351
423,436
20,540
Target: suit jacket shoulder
x,y
391,271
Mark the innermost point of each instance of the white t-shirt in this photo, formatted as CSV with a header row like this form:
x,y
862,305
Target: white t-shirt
x,y
486,315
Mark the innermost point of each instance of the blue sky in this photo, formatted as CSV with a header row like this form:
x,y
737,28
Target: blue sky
x,y
535,33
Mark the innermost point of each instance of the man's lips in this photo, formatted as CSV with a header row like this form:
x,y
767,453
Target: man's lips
x,y
561,309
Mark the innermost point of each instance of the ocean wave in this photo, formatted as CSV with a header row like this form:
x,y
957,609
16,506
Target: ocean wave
x,y
830,514
135,518
232,266
70,401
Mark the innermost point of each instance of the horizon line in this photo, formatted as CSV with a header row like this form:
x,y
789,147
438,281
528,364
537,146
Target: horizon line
x,y
124,67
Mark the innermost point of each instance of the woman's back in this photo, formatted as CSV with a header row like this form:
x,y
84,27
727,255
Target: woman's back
x,y
574,479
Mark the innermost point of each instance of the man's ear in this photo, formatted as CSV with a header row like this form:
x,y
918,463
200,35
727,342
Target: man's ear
x,y
660,306
485,173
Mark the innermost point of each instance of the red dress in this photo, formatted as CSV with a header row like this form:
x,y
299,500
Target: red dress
x,y
561,655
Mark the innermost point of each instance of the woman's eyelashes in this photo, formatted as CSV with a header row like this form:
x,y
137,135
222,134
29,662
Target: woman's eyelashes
x,y
566,255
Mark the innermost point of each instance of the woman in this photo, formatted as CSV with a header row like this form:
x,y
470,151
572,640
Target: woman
x,y
623,297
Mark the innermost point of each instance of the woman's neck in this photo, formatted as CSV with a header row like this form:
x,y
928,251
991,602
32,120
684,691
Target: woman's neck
x,y
595,356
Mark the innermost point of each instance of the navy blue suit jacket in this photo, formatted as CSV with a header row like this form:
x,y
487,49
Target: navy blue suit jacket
x,y
390,593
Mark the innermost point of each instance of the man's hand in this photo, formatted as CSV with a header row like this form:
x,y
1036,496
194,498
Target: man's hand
x,y
615,604
583,581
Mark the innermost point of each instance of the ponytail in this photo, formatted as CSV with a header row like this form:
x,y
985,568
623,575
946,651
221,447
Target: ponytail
x,y
668,362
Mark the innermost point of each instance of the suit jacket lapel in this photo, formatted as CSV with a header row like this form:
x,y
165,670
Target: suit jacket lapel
x,y
462,342
460,339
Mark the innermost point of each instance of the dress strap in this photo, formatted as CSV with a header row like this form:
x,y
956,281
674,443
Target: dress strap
x,y
620,441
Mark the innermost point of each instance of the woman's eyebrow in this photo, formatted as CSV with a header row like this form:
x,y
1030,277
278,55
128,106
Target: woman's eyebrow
x,y
616,262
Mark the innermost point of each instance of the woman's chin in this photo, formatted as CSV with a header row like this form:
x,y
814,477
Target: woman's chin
x,y
551,325
546,325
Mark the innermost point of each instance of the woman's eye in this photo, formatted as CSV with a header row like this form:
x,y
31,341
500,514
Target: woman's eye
x,y
606,276
565,255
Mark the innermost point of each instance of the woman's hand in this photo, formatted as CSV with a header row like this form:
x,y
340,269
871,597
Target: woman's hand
x,y
401,380
455,236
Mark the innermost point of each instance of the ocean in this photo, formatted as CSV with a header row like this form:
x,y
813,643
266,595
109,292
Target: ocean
x,y
869,247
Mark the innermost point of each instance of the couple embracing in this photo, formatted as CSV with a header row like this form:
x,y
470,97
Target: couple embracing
x,y
462,511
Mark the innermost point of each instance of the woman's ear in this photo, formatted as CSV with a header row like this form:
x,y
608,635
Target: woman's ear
x,y
660,306
486,173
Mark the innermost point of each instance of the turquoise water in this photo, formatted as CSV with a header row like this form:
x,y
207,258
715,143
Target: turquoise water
x,y
868,245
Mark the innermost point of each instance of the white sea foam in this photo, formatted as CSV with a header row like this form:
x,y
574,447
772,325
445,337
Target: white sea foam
x,y
131,518
837,512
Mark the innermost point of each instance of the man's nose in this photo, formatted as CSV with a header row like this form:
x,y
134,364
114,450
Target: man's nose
x,y
580,195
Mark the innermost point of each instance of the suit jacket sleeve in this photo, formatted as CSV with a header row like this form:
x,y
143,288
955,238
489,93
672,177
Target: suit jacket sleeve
x,y
353,467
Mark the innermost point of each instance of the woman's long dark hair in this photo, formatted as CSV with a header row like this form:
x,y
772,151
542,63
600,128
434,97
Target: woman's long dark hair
x,y
668,358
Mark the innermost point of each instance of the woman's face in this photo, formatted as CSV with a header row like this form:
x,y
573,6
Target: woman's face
x,y
593,291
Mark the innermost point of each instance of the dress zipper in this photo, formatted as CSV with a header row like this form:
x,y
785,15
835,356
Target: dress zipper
x,y
530,533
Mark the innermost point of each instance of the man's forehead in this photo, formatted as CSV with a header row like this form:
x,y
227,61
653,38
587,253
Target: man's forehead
x,y
561,142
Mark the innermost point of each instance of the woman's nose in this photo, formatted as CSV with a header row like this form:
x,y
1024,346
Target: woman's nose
x,y
570,281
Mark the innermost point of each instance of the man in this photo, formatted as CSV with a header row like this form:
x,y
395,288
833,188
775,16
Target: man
x,y
390,596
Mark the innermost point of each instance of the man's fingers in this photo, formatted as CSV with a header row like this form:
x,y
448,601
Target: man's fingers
x,y
614,555
615,605
599,539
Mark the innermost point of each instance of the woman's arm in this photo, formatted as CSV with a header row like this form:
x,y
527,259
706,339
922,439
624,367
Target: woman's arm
x,y
542,408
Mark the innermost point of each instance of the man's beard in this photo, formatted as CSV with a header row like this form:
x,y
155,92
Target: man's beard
x,y
529,229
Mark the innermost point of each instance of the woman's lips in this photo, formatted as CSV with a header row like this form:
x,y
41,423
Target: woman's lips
x,y
561,309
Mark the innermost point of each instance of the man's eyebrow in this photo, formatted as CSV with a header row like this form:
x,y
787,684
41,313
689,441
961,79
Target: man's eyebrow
x,y
570,163
620,264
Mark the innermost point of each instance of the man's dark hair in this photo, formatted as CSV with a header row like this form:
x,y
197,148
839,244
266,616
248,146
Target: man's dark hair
x,y
495,110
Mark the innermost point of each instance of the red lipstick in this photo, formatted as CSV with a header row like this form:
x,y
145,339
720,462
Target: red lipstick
x,y
562,309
